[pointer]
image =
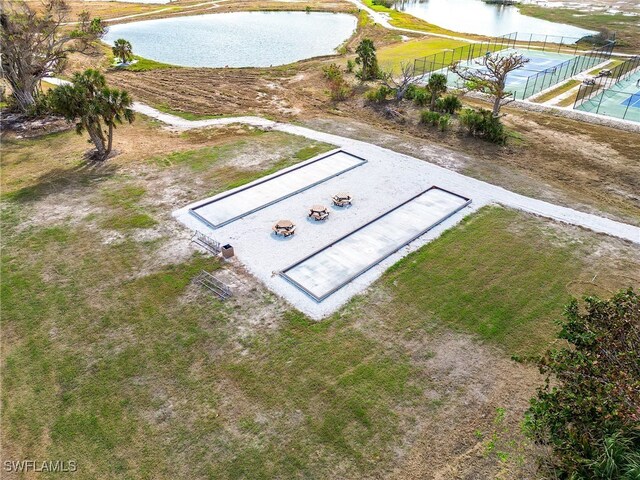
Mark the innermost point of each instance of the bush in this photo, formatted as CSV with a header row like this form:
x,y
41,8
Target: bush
x,y
444,122
350,66
332,72
383,3
588,410
378,95
41,106
411,91
449,104
421,97
338,87
481,123
430,118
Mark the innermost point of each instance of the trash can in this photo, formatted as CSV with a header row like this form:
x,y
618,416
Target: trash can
x,y
227,251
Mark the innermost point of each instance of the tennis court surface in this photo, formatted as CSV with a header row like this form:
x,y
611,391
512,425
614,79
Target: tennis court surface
x,y
238,203
622,100
548,62
332,267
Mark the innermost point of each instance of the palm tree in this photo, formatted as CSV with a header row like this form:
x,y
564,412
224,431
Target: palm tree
x,y
122,49
436,86
366,51
90,103
114,109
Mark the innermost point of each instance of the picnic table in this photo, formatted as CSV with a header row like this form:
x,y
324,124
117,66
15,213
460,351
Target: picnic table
x,y
319,212
284,228
342,199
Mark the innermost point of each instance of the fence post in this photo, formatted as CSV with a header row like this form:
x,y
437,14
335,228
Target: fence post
x,y
600,103
624,116
530,38
535,84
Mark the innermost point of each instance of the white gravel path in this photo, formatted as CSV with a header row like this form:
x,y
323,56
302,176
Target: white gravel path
x,y
385,181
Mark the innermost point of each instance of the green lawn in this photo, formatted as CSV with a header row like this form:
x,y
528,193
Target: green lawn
x,y
497,275
393,55
113,358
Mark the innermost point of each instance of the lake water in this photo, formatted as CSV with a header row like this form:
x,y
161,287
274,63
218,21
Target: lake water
x,y
238,39
475,16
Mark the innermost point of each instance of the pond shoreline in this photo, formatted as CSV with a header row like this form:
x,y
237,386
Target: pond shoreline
x,y
238,39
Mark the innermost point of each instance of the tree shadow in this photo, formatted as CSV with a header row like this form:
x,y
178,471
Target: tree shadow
x,y
67,180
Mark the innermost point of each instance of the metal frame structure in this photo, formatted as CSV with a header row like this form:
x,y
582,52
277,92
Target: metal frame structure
x,y
424,67
193,212
606,86
206,242
283,273
210,282
551,76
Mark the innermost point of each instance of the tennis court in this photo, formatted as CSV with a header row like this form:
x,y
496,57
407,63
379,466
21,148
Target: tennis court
x,y
622,100
548,62
332,267
238,203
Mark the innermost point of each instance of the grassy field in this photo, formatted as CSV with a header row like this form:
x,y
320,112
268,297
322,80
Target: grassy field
x,y
144,65
112,357
392,56
557,91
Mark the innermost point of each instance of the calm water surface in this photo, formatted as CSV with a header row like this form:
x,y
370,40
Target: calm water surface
x,y
238,39
475,16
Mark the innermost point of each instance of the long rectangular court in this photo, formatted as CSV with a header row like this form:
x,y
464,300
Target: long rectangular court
x,y
550,67
238,203
327,270
622,100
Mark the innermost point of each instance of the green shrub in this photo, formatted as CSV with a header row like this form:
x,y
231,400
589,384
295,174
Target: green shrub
x,y
421,97
430,118
449,104
481,123
378,95
444,122
411,91
332,72
383,3
41,106
350,66
587,409
339,89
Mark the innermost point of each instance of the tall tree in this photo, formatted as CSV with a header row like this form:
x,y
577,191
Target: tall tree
x,y
36,44
436,86
94,106
367,58
491,77
588,411
122,49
